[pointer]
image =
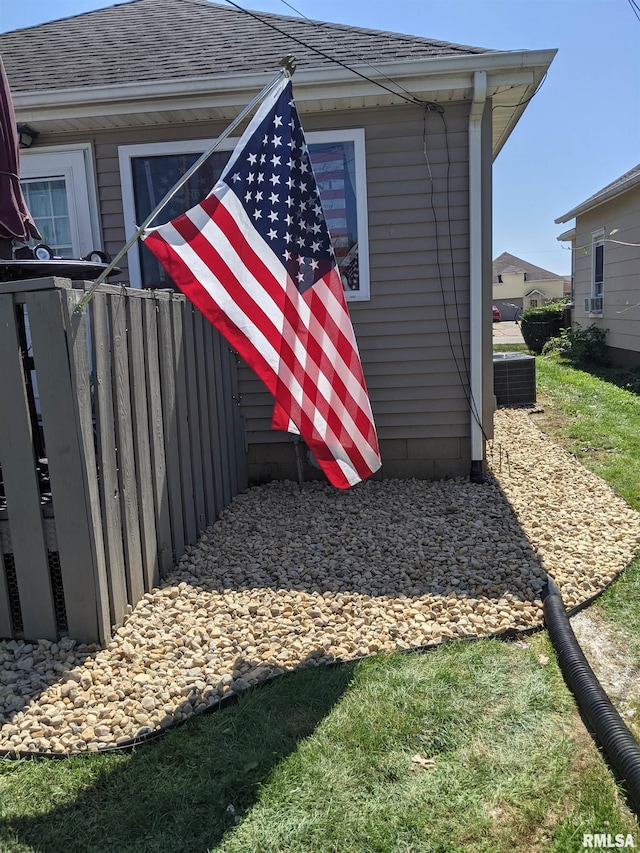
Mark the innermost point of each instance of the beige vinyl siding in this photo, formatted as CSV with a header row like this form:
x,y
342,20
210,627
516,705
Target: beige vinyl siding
x,y
621,303
419,306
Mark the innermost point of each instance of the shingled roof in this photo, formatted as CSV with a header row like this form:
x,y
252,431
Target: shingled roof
x,y
615,188
507,263
147,40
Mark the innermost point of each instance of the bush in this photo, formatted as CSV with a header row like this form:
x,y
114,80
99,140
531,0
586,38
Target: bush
x,y
582,347
539,325
560,346
588,346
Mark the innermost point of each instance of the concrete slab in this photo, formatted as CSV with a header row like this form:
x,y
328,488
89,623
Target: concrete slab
x,y
507,332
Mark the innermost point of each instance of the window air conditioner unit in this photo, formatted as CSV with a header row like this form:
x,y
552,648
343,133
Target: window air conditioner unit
x,y
593,305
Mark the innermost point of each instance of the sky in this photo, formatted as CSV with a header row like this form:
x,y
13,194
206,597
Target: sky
x,y
579,133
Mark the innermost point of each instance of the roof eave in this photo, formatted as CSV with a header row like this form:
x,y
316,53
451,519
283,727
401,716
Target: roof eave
x,y
566,235
518,72
633,180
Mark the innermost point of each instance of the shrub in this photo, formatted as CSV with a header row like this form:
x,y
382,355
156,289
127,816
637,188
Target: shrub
x,y
581,346
588,346
560,346
539,325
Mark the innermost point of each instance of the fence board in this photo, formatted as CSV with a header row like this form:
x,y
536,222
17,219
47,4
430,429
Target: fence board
x,y
223,393
76,329
151,316
48,283
21,486
212,407
230,413
71,503
182,411
238,427
194,392
206,432
6,625
107,462
124,443
170,417
142,445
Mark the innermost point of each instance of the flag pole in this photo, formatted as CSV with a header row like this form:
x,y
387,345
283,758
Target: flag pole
x,y
287,68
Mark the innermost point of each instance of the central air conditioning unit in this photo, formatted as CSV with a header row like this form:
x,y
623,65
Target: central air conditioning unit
x,y
593,305
514,379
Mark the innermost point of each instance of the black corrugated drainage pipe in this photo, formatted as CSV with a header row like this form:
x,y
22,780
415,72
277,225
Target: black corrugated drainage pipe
x,y
617,742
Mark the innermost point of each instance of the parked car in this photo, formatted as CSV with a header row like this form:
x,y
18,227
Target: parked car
x,y
496,314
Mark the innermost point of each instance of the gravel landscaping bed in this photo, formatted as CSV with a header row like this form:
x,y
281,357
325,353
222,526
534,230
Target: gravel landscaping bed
x,y
292,576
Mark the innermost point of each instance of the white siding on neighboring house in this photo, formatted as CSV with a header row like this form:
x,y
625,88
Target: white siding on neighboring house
x,y
618,221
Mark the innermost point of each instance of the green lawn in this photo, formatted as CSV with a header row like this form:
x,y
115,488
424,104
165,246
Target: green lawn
x,y
599,422
476,746
596,420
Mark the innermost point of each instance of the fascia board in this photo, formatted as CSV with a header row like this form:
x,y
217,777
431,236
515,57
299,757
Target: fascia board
x,y
614,192
453,73
567,235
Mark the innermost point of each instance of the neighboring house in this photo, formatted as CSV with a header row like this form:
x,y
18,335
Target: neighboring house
x,y
606,264
125,98
517,285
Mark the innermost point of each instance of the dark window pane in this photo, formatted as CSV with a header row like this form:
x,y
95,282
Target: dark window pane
x,y
599,263
153,177
334,168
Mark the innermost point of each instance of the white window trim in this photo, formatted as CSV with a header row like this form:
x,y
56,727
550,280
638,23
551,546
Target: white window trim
x,y
597,239
62,160
197,146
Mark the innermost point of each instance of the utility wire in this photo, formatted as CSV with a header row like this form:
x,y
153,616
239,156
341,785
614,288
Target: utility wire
x,y
526,100
598,242
635,8
463,371
409,99
379,71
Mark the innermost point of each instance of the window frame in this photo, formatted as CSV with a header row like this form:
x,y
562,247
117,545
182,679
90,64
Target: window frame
x,y
126,154
74,163
597,285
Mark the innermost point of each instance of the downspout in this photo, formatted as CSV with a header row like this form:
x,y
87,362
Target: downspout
x,y
475,274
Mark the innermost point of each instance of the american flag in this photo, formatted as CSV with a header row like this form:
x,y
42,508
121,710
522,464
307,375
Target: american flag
x,y
255,257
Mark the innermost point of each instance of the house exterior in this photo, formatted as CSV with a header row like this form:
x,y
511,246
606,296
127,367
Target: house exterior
x,y
518,285
402,130
605,241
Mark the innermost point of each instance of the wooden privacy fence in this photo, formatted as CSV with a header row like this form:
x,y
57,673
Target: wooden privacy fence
x,y
120,441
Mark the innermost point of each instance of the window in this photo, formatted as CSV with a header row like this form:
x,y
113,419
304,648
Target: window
x,y
49,206
59,191
595,304
597,289
152,178
149,171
